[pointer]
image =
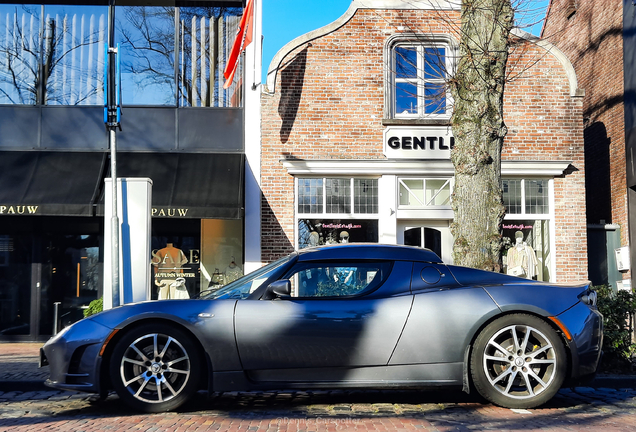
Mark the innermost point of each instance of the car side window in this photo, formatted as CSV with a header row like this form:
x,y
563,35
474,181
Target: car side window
x,y
337,279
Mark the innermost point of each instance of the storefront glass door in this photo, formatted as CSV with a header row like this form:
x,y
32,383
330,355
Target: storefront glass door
x,y
15,289
71,275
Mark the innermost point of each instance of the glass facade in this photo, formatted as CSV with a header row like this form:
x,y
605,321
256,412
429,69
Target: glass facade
x,y
170,56
15,291
44,263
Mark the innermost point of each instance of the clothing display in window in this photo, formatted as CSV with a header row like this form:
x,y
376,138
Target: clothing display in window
x,y
521,259
168,263
217,280
232,272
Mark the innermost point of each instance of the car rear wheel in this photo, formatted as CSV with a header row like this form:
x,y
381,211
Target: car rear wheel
x,y
155,368
518,361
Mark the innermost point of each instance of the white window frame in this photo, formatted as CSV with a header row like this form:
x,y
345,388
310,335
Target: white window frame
x,y
420,42
523,214
448,180
549,216
324,214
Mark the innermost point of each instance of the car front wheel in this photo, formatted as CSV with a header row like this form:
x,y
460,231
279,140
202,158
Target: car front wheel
x,y
155,368
518,361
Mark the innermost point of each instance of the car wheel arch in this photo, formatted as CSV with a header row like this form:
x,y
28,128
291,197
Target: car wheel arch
x,y
468,386
105,383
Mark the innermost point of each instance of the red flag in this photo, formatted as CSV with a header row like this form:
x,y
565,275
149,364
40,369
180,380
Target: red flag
x,y
243,39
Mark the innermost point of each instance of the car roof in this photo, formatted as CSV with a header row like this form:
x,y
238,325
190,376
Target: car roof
x,y
362,251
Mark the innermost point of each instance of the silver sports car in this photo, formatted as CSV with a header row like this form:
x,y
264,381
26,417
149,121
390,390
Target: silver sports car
x,y
346,316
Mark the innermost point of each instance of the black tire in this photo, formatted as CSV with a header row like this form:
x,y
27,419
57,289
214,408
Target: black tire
x,y
522,374
155,368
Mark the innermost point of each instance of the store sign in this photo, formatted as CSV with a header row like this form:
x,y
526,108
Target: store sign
x,y
425,142
18,209
169,212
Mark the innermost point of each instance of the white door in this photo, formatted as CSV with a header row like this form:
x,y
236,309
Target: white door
x,y
431,234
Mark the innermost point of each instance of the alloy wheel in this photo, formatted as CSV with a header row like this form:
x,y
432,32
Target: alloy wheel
x,y
155,368
520,361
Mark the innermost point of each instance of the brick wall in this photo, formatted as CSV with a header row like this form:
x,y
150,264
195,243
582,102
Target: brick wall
x,y
329,100
592,38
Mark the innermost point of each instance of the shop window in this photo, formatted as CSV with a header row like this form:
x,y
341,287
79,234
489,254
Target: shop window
x,y
526,228
527,250
336,210
333,196
418,77
423,192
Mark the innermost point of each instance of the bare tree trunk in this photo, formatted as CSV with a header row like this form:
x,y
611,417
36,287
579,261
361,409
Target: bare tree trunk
x,y
479,131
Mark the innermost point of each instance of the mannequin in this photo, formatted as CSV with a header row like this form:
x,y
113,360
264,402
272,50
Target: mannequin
x,y
168,264
521,259
344,237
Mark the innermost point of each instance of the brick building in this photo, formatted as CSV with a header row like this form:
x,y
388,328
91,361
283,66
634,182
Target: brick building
x,y
592,35
356,139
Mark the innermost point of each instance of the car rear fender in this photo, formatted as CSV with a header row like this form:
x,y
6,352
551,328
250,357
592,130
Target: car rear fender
x,y
570,348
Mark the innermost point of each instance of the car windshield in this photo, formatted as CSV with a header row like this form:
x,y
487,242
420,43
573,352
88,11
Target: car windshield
x,y
243,287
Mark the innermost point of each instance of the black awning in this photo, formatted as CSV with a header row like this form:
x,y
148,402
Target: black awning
x,y
192,185
189,185
49,183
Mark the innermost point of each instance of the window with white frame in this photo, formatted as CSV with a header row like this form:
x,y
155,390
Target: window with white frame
x,y
419,73
336,210
425,192
526,228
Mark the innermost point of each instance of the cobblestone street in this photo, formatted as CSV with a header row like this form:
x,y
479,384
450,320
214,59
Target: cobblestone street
x,y
571,410
27,405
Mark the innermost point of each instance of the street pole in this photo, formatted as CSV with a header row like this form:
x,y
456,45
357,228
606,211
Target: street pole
x,y
111,124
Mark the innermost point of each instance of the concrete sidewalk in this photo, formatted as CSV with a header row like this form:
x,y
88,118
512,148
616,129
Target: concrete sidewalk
x,y
19,370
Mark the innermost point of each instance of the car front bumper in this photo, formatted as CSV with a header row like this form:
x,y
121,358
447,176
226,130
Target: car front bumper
x,y
73,357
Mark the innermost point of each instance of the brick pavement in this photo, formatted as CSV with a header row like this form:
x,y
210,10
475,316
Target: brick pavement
x,y
579,409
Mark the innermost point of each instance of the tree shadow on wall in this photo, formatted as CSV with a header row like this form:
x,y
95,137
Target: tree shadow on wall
x,y
274,242
291,89
598,198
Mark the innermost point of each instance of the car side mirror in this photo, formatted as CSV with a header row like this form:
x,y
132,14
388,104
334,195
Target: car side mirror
x,y
280,288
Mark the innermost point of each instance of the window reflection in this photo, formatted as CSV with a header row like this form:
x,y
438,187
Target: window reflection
x,y
146,36
74,38
19,53
206,36
55,54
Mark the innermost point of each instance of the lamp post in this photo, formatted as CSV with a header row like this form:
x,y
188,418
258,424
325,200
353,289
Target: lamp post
x,y
112,114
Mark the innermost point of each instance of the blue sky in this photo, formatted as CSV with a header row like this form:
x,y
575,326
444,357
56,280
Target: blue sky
x,y
284,20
